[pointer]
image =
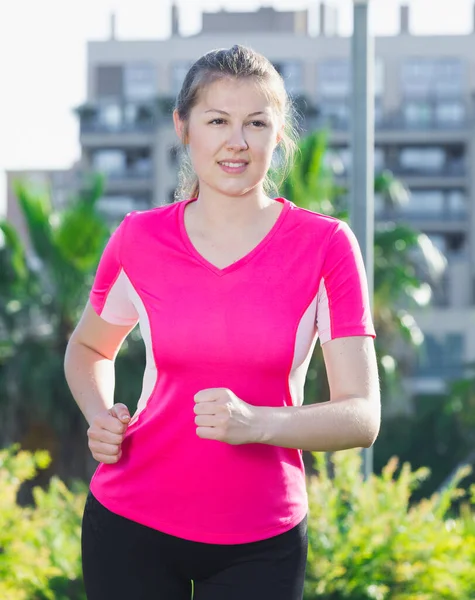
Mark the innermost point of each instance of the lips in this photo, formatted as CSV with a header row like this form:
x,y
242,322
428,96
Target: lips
x,y
233,167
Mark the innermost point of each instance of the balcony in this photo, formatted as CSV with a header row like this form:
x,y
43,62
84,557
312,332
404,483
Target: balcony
x,y
444,220
396,126
122,121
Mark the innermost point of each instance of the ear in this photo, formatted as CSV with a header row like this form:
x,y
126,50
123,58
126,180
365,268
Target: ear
x,y
179,126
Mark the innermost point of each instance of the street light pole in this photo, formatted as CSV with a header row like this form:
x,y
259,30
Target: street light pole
x,y
362,144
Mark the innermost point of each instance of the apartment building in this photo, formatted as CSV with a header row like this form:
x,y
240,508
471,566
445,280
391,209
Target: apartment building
x,y
425,134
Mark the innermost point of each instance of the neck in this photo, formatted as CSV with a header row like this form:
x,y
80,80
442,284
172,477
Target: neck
x,y
216,212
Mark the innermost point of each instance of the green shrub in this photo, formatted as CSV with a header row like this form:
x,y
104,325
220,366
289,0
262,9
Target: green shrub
x,y
40,544
366,542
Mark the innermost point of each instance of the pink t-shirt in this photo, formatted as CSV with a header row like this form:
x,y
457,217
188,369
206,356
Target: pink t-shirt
x,y
250,327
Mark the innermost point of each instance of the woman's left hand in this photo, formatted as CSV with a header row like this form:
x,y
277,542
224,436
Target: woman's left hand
x,y
222,416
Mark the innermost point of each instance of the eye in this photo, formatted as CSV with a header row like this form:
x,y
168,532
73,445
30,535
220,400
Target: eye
x,y
258,124
217,122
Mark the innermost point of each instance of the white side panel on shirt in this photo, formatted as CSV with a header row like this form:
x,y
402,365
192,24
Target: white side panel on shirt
x,y
305,341
150,373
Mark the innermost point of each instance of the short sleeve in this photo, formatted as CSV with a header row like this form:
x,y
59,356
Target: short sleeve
x,y
110,294
343,306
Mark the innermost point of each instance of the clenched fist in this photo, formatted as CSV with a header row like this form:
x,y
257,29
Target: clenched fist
x,y
222,416
106,433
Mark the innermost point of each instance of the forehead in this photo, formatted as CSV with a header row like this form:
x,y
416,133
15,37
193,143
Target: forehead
x,y
234,96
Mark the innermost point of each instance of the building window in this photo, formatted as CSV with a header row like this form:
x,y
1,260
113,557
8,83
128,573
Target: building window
x,y
450,113
292,74
140,81
343,157
449,77
457,203
337,112
109,161
334,79
428,203
418,114
423,77
110,116
178,74
422,159
442,356
109,82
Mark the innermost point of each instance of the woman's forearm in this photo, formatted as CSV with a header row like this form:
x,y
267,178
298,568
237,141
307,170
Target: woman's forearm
x,y
329,426
91,379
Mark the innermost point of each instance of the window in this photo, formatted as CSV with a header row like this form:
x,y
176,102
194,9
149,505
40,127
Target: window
x,y
442,356
422,159
140,81
338,113
450,113
426,202
110,116
433,77
449,77
109,81
292,74
457,203
417,114
343,157
334,79
178,74
109,161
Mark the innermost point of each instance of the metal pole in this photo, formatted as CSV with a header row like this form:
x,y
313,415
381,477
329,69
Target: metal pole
x,y
362,144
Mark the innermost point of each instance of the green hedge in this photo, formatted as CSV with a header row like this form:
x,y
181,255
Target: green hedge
x,y
366,540
40,544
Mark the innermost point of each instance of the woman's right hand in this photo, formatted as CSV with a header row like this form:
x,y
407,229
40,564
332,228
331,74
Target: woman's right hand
x,y
106,433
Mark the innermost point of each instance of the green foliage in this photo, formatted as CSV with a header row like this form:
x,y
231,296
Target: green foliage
x,y
41,299
367,539
39,544
367,542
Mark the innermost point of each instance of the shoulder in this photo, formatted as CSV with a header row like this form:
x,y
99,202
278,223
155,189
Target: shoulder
x,y
152,216
139,223
316,224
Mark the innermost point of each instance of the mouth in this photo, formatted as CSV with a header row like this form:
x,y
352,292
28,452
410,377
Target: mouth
x,y
233,166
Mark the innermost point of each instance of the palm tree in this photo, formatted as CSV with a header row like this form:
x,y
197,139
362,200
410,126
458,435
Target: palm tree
x,y
406,263
41,297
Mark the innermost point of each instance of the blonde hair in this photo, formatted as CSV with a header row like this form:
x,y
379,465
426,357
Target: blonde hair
x,y
237,62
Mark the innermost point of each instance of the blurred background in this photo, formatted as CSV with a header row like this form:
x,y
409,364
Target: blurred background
x,y
86,136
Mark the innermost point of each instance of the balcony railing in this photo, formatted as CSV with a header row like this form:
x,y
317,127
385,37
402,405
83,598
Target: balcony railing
x,y
136,174
455,168
124,117
388,214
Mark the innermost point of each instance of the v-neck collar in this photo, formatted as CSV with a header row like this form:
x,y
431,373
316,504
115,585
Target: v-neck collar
x,y
241,261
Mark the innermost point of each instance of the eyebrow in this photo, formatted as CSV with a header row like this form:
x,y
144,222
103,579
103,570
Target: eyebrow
x,y
222,112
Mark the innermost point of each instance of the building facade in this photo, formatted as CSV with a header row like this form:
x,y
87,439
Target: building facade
x,y
425,134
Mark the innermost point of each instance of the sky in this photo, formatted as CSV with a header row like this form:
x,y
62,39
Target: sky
x,y
43,58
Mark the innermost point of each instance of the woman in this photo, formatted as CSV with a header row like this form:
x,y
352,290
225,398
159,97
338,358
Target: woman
x,y
205,482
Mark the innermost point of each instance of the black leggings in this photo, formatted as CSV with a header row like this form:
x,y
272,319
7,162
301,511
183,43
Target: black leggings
x,y
124,560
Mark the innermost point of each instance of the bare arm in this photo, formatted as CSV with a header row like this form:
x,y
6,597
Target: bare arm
x,y
89,362
351,419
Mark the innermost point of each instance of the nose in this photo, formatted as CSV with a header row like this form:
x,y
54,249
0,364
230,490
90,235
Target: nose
x,y
236,140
